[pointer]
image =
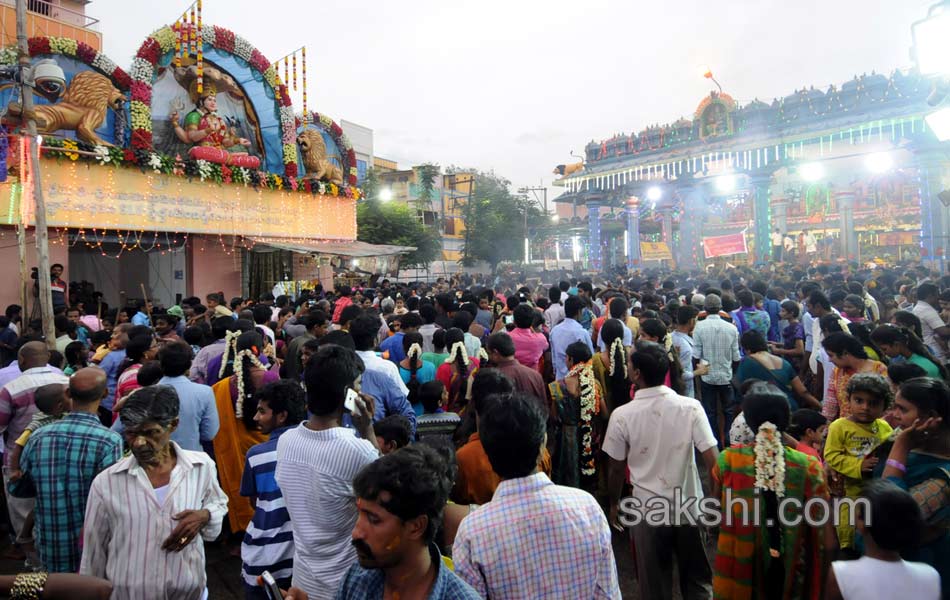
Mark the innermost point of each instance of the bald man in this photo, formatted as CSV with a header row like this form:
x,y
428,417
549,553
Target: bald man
x,y
59,463
17,406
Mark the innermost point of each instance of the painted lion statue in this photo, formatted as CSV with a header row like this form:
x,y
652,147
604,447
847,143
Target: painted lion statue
x,y
82,109
315,162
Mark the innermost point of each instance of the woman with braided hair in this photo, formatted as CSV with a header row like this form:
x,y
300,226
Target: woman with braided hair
x,y
457,371
236,404
413,370
900,344
579,413
610,365
654,330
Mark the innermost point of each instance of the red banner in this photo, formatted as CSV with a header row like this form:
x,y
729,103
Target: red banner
x,y
724,245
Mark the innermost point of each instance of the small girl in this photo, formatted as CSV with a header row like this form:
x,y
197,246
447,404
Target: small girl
x,y
852,441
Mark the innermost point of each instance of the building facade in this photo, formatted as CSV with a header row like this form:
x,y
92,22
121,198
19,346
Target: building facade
x,y
855,165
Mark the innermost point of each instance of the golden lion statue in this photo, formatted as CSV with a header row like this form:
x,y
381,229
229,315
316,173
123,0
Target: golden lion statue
x,y
314,152
82,109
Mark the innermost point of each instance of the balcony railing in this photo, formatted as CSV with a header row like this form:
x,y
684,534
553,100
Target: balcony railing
x,y
45,18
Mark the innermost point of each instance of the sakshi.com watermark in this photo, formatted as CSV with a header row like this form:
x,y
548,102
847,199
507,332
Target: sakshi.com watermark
x,y
733,510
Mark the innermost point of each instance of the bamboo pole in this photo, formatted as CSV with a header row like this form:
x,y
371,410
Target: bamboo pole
x,y
42,235
148,311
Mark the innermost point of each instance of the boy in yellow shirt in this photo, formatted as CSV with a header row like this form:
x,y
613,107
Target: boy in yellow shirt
x,y
852,440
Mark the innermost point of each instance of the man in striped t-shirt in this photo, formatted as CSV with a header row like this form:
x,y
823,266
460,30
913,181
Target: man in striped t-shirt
x,y
269,540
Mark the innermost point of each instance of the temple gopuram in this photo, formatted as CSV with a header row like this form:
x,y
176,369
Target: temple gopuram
x,y
855,166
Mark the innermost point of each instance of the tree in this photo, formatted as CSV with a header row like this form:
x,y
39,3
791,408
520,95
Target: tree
x,y
495,221
426,174
393,223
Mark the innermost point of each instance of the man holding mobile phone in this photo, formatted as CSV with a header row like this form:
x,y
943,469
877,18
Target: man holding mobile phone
x,y
316,463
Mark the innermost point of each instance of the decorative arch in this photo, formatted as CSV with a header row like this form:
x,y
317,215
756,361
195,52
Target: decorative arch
x,y
162,42
343,143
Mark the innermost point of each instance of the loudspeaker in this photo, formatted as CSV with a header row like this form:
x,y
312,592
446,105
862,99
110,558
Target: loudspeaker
x,y
945,197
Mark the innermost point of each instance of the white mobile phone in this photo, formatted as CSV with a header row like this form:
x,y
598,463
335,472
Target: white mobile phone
x,y
270,586
349,403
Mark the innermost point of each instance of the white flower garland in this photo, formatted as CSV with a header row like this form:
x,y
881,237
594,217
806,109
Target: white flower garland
x,y
415,351
103,63
230,345
155,161
204,169
588,400
142,70
207,35
239,378
617,346
769,459
458,347
483,354
242,48
102,154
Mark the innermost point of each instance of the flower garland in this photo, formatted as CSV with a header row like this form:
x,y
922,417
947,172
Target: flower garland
x,y
230,345
342,142
164,164
617,346
457,348
590,401
81,51
239,377
415,351
769,460
483,354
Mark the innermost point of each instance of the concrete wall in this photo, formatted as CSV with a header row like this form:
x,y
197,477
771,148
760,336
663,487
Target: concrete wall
x,y
212,268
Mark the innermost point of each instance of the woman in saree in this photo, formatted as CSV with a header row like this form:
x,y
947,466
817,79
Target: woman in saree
x,y
234,397
760,364
579,414
457,372
919,462
610,365
764,558
849,357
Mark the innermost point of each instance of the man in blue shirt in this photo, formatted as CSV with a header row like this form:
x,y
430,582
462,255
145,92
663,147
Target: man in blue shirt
x,y
144,310
381,378
269,541
566,333
408,323
197,414
401,499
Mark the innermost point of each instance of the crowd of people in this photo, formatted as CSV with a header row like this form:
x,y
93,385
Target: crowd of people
x,y
480,438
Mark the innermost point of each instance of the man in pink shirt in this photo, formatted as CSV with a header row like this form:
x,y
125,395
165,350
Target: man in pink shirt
x,y
529,344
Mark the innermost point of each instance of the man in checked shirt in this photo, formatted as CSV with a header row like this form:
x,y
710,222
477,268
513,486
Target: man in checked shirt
x,y
534,539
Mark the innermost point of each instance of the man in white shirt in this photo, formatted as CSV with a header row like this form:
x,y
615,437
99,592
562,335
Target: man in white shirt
x,y
934,329
777,245
653,438
554,313
316,464
811,244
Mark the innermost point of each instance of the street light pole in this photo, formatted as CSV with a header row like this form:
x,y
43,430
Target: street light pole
x,y
42,237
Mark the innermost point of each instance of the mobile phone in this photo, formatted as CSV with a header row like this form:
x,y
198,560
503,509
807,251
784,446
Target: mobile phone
x,y
349,403
509,319
270,586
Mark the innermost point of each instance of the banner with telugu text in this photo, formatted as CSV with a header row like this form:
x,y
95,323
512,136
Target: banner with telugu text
x,y
725,245
655,251
80,195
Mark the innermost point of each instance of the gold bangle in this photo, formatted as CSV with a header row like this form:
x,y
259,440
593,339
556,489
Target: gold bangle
x,y
28,586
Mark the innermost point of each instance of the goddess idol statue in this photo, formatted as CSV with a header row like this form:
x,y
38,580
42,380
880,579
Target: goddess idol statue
x,y
209,134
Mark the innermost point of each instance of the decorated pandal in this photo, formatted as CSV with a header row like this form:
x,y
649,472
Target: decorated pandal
x,y
199,136
855,165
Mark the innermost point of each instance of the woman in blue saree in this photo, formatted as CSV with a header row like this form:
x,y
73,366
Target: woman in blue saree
x,y
760,364
919,462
